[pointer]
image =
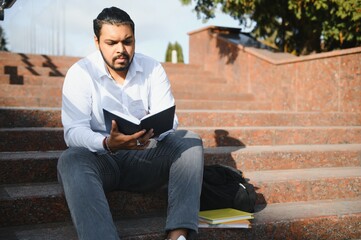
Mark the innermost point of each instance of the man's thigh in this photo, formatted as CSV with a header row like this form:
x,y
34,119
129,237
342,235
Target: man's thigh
x,y
145,170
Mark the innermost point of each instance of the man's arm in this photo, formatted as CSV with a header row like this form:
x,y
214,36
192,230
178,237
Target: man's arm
x,y
161,96
76,111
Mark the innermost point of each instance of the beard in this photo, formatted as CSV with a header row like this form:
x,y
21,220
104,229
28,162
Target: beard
x,y
124,66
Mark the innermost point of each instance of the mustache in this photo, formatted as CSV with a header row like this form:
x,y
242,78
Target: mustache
x,y
124,55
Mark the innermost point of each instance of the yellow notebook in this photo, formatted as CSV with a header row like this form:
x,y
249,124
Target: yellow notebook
x,y
223,215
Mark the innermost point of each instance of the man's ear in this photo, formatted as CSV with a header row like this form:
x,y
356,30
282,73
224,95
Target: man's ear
x,y
96,41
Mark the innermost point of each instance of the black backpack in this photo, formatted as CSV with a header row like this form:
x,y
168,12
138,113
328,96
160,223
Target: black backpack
x,y
225,187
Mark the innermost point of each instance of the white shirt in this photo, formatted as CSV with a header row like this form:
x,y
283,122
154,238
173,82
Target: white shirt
x,y
88,88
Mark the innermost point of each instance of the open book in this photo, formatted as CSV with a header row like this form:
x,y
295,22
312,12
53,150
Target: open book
x,y
160,122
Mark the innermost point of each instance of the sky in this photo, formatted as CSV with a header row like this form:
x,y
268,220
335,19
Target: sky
x,y
64,27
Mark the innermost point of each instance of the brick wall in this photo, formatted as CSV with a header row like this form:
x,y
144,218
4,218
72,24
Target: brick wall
x,y
325,82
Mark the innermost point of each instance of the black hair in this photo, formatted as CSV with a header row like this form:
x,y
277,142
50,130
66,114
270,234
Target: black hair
x,y
114,16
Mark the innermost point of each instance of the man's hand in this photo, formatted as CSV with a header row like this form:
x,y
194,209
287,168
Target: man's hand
x,y
137,141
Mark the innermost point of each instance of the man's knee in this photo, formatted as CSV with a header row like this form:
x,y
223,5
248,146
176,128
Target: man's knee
x,y
70,160
192,151
189,138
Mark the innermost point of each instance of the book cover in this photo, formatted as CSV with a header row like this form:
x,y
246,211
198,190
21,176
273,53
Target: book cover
x,y
223,215
233,224
160,122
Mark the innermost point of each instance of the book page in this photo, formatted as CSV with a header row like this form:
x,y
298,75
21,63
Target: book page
x,y
130,118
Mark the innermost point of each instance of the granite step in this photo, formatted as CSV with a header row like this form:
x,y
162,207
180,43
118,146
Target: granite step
x,y
178,82
38,62
30,95
258,136
199,104
26,167
187,74
35,203
283,157
30,60
199,86
294,185
182,68
40,84
42,93
15,96
49,139
5,79
43,67
20,59
190,79
299,220
190,73
44,202
51,117
234,118
210,105
213,95
32,80
31,139
34,60
26,101
47,76
33,70
30,117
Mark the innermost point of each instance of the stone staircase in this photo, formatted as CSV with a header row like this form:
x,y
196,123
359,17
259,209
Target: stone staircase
x,y
306,166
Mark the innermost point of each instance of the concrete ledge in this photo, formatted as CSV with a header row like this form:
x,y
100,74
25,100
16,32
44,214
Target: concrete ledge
x,y
282,58
276,58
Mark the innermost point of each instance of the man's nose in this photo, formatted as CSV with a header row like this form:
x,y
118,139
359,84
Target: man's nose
x,y
120,47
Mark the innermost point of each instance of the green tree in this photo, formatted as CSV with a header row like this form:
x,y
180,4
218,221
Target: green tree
x,y
176,46
168,53
179,50
3,42
297,26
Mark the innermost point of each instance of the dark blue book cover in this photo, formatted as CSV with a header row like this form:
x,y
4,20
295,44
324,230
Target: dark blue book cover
x,y
160,122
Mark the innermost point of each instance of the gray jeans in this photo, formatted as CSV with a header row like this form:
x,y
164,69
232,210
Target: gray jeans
x,y
177,160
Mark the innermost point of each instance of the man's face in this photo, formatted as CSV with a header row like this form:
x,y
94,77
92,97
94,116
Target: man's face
x,y
117,46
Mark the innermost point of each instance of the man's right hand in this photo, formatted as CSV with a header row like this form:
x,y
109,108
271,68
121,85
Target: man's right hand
x,y
137,141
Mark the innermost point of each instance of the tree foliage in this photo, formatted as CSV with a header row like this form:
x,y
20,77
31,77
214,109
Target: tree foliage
x,y
297,26
176,46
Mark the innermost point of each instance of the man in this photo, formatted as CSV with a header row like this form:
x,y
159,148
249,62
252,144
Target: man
x,y
117,78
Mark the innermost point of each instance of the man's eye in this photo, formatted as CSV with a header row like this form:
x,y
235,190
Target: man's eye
x,y
128,42
110,43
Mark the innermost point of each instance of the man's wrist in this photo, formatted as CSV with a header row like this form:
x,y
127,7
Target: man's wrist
x,y
106,145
